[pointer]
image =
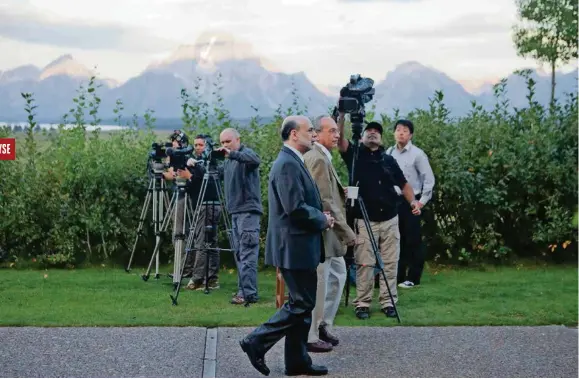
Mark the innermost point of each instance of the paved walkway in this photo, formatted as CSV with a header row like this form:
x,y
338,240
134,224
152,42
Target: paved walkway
x,y
549,351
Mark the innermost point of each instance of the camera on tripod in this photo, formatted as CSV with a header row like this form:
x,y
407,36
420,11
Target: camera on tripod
x,y
159,151
210,154
178,157
353,96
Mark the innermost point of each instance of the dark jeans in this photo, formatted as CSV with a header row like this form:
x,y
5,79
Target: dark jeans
x,y
246,235
292,320
411,263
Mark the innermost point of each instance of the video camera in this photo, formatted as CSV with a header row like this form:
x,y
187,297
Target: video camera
x,y
210,154
159,151
178,157
353,96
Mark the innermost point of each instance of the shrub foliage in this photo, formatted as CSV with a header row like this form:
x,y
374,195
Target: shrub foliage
x,y
506,179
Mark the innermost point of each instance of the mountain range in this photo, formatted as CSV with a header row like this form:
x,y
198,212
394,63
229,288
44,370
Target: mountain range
x,y
250,84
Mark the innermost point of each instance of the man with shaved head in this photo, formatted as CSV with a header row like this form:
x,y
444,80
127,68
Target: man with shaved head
x,y
294,245
243,202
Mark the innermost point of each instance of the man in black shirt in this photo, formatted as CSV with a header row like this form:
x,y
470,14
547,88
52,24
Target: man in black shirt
x,y
209,215
376,174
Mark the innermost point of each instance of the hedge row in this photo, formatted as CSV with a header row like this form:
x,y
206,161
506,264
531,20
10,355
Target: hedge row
x,y
506,181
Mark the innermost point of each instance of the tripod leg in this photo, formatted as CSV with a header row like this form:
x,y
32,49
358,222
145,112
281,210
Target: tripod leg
x,y
232,240
158,239
157,217
191,236
206,238
377,254
180,217
347,291
141,223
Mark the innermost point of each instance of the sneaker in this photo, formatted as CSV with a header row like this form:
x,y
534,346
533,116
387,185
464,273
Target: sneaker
x,y
237,300
195,286
213,284
389,311
240,300
362,312
407,284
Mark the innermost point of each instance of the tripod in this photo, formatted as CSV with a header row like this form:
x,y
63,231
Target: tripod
x,y
179,210
157,191
357,120
209,230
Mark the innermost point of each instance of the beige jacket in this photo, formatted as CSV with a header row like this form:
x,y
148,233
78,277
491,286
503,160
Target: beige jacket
x,y
333,201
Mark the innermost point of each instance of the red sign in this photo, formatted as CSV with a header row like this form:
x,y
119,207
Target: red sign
x,y
7,149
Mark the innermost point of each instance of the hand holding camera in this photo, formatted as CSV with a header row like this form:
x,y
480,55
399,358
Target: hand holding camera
x,y
169,174
225,151
184,174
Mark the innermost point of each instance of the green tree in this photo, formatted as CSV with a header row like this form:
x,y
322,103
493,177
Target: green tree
x,y
547,32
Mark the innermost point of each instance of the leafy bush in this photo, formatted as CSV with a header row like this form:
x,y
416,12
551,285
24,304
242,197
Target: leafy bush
x,y
506,181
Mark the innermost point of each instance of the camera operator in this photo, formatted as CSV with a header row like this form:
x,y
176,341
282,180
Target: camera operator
x,y
243,202
180,140
376,174
209,215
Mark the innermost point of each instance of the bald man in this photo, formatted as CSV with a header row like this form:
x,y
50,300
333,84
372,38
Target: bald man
x,y
294,245
243,202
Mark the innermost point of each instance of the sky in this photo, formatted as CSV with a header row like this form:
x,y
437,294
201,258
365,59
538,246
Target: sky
x,y
469,40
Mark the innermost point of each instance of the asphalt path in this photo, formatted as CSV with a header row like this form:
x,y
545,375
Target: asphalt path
x,y
549,351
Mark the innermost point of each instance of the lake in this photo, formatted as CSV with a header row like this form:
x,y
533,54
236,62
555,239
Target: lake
x,y
104,128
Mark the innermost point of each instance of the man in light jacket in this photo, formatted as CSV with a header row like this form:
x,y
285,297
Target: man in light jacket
x,y
332,272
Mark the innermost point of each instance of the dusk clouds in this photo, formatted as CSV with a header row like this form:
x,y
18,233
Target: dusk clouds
x,y
326,39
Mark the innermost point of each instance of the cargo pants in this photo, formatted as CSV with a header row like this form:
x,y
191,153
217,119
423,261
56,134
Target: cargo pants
x,y
387,237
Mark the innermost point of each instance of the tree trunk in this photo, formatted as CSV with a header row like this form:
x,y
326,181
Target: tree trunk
x,y
552,83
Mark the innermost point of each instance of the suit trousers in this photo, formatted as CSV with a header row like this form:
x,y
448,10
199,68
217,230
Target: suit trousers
x,y
331,281
292,320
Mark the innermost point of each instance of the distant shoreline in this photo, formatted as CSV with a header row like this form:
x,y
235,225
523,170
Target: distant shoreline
x,y
109,125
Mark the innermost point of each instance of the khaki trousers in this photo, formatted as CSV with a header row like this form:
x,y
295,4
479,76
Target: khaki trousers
x,y
331,281
387,237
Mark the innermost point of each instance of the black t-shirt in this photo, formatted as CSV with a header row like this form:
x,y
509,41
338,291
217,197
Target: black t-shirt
x,y
195,186
376,174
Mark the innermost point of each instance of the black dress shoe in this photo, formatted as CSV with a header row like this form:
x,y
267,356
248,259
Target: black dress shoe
x,y
319,347
256,359
313,370
389,312
327,337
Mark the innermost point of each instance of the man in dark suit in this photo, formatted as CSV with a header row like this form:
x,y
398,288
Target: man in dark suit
x,y
294,245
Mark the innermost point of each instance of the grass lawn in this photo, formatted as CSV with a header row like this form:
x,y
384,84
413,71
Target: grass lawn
x,y
111,297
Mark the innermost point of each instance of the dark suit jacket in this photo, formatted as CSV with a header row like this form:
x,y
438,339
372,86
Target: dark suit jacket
x,y
296,220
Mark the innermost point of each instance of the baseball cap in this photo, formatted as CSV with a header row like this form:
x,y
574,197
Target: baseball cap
x,y
374,125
